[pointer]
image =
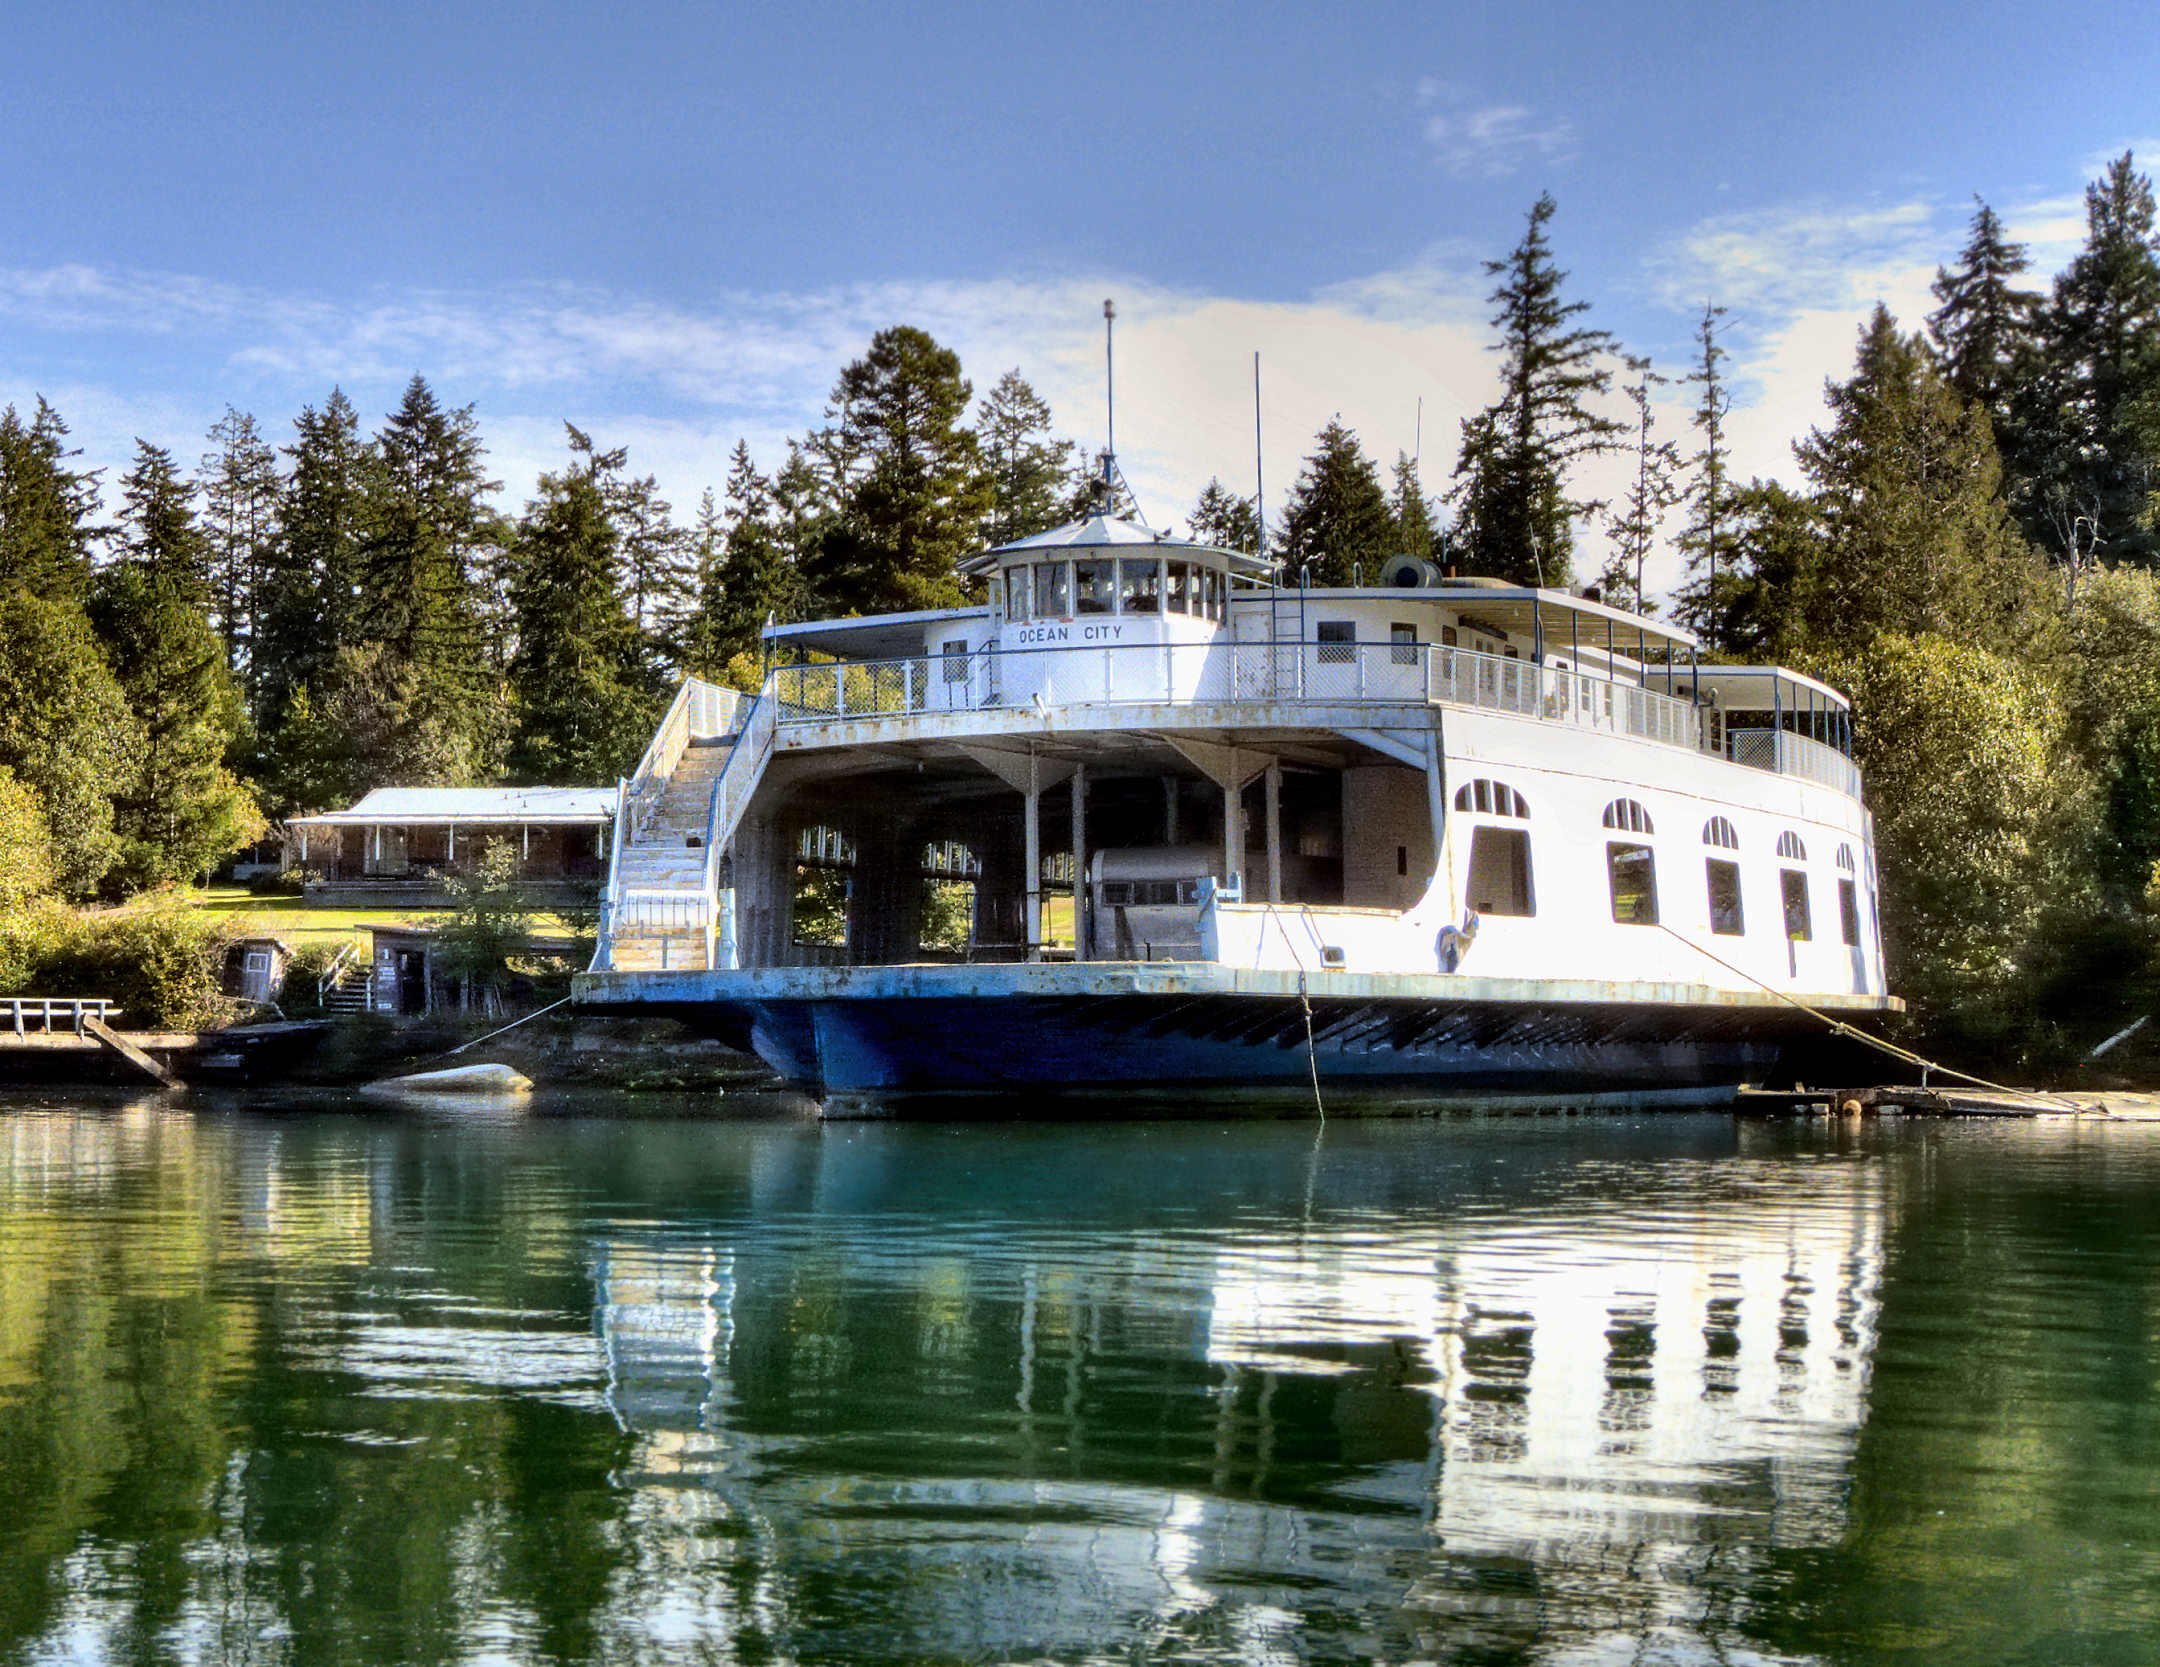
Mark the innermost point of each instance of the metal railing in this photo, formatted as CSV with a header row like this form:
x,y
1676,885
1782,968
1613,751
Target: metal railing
x,y
1302,673
700,710
1785,753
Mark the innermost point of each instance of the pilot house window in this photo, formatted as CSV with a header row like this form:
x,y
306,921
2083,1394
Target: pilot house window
x,y
1338,641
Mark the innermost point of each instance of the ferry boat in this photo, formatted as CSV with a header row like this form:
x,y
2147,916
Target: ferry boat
x,y
1445,837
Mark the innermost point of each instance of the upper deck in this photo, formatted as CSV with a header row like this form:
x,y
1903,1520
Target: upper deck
x,y
1102,625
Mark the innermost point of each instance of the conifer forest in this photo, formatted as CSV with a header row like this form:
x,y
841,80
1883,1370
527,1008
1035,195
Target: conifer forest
x,y
1969,545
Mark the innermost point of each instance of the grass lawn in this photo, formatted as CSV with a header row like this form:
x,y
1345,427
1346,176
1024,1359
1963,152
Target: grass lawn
x,y
300,923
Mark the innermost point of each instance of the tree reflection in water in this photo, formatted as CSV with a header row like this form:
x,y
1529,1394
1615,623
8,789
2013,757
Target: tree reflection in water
x,y
322,1388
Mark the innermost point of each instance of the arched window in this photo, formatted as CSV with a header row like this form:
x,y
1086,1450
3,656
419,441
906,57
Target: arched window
x,y
1788,845
1492,798
1719,832
1844,858
1628,817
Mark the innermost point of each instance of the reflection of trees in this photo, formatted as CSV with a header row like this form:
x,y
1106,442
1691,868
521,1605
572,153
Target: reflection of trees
x,y
2003,1493
340,1390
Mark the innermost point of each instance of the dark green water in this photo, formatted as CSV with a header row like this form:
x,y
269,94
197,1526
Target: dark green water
x,y
328,1386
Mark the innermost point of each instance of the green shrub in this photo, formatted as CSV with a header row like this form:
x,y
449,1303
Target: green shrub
x,y
160,963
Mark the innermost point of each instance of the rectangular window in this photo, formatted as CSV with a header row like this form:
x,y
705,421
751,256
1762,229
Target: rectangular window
x,y
1050,592
1177,592
955,661
997,601
1212,591
1848,908
1404,637
1338,641
1725,916
1799,926
1448,637
1094,587
1139,585
1500,872
1633,871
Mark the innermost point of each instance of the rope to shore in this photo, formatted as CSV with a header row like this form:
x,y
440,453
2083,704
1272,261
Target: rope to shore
x,y
491,1035
1838,1027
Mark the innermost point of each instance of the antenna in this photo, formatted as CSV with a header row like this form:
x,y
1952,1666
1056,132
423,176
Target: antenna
x,y
1109,353
1417,446
1259,489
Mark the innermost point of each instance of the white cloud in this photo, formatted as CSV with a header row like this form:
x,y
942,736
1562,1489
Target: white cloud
x,y
1489,141
680,385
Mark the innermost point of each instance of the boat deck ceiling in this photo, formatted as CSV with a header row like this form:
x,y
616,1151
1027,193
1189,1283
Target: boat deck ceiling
x,y
870,636
939,769
1762,688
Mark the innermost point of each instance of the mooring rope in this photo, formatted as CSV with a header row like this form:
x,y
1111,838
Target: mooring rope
x,y
1312,1057
1838,1027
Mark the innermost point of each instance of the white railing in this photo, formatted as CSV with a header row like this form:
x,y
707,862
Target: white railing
x,y
1307,673
700,710
17,1012
731,792
1793,755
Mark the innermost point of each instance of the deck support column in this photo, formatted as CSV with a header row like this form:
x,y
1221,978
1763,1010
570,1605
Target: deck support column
x,y
1031,856
1169,814
1273,778
1030,776
1079,857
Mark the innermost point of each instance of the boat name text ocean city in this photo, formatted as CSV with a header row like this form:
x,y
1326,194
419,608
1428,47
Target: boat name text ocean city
x,y
1063,633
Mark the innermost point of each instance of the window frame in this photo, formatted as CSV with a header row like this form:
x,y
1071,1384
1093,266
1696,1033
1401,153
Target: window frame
x,y
1338,650
1486,841
1630,851
1738,926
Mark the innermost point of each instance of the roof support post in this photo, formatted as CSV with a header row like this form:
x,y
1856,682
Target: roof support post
x,y
1079,858
1273,778
1031,837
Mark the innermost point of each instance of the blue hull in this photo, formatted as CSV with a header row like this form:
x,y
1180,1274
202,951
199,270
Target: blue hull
x,y
1194,1029
1099,1045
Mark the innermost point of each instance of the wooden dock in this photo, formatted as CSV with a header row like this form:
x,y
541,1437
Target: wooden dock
x,y
71,1036
1931,1101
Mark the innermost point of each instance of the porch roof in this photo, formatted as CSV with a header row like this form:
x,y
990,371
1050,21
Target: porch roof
x,y
460,806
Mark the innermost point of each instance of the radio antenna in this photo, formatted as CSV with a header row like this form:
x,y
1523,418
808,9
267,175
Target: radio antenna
x,y
1109,354
1259,487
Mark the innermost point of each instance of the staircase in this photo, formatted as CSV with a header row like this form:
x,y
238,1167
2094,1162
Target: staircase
x,y
662,912
659,896
343,988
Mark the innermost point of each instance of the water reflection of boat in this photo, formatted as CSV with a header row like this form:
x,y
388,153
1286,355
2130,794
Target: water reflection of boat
x,y
1616,1377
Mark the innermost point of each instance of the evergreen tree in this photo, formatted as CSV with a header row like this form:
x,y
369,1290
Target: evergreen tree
x,y
1030,470
1411,512
426,537
582,699
1917,538
180,809
47,508
2088,422
1515,516
905,479
1710,591
240,488
158,532
66,730
658,570
751,577
309,601
1225,521
1770,604
1984,329
1634,530
1337,522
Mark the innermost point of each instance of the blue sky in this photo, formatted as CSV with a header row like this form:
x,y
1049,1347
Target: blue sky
x,y
673,224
